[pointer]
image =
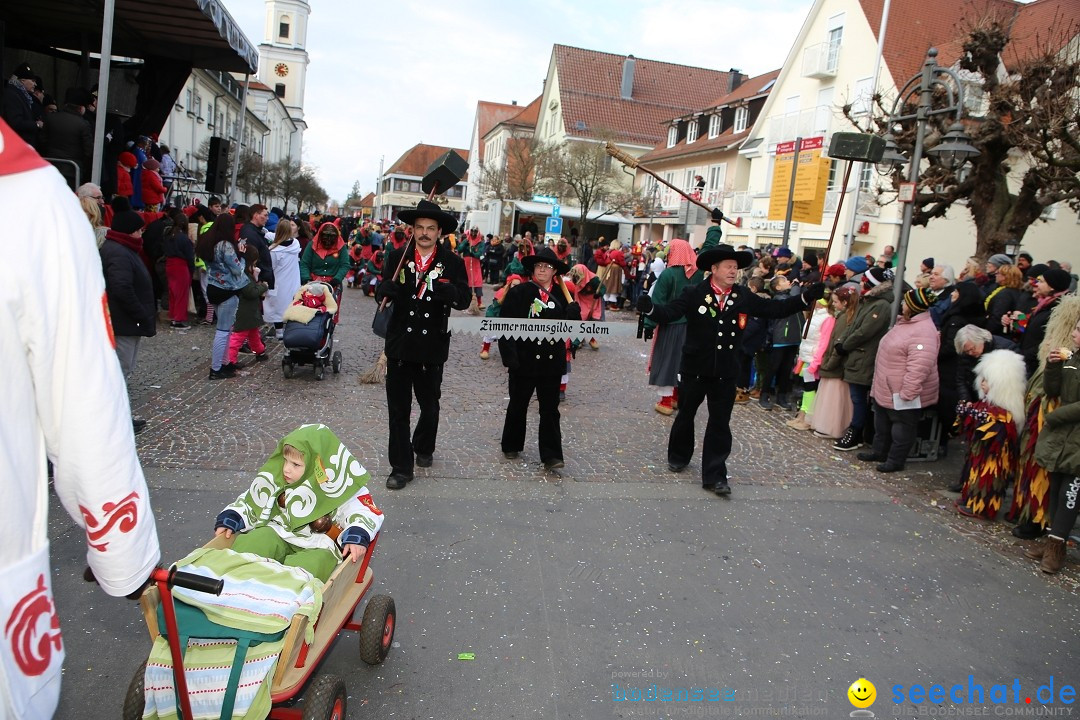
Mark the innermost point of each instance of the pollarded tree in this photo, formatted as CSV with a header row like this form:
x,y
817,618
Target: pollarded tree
x,y
1026,126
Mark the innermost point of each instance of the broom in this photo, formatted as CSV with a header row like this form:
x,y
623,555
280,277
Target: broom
x,y
377,372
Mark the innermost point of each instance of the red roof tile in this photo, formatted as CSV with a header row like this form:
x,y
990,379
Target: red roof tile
x,y
917,25
490,114
419,157
368,201
528,116
590,83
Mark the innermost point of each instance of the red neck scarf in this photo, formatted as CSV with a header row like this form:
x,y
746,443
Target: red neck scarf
x,y
721,295
544,294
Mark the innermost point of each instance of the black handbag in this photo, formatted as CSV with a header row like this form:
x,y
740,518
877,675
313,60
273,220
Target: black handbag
x,y
380,324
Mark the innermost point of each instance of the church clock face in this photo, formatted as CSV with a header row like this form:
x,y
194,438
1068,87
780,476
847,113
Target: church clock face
x,y
281,69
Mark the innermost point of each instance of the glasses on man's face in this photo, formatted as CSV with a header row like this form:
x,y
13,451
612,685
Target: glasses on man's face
x,y
543,266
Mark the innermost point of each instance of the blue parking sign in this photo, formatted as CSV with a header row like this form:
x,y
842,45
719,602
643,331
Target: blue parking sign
x,y
554,226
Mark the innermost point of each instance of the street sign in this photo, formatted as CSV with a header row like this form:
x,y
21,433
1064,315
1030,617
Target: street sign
x,y
907,192
553,226
547,199
555,211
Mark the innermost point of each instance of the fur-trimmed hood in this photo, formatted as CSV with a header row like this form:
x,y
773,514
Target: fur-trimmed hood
x,y
1006,377
884,290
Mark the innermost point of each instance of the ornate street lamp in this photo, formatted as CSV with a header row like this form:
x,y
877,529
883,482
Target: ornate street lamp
x,y
953,151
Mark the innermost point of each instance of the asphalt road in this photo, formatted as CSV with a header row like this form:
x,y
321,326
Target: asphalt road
x,y
574,590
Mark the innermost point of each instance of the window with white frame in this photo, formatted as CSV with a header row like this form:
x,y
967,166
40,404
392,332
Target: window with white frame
x,y
667,196
672,136
862,97
866,175
714,125
187,101
836,35
691,131
742,116
717,177
688,179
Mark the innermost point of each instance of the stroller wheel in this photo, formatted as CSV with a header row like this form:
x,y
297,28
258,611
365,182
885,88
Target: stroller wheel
x,y
336,361
287,368
320,370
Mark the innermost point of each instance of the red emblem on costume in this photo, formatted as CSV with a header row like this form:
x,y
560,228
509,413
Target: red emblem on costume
x,y
124,513
108,319
31,644
742,321
367,502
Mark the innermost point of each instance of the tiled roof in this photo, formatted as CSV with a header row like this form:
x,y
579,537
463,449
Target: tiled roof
x,y
419,157
590,84
528,116
917,25
753,87
490,114
368,201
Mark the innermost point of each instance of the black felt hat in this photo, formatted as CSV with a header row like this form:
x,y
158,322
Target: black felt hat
x,y
547,255
722,252
429,211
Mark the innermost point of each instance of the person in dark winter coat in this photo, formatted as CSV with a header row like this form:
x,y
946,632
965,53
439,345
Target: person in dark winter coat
x,y
430,281
1049,287
784,336
128,288
966,308
536,366
252,232
67,136
18,105
716,312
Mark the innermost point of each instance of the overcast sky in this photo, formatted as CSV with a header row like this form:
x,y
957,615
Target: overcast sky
x,y
387,75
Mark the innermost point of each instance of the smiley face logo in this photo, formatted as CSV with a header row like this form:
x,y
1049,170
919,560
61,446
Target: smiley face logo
x,y
862,693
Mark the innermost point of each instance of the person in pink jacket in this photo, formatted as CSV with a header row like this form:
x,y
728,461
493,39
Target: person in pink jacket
x,y
905,382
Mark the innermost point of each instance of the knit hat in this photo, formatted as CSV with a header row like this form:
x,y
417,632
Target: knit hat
x,y
127,159
928,262
151,164
857,264
810,258
1057,279
918,300
835,270
784,252
127,222
1000,259
1036,270
875,276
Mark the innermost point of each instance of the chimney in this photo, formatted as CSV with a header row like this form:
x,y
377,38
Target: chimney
x,y
736,78
627,88
513,102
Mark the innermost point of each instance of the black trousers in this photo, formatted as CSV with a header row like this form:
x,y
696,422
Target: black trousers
x,y
546,388
894,433
720,393
781,361
403,380
1064,503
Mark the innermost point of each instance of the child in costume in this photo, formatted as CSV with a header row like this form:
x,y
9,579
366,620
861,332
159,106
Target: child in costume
x,y
313,295
992,427
249,317
493,311
307,491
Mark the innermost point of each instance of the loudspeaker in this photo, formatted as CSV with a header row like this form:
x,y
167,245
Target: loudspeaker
x,y
445,172
856,146
217,166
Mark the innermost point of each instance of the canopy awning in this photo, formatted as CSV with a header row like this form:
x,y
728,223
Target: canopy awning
x,y
198,33
570,212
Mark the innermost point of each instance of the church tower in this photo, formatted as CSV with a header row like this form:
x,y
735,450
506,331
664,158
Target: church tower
x,y
283,59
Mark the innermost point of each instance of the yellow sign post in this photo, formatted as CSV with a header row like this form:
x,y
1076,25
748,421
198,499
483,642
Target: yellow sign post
x,y
810,186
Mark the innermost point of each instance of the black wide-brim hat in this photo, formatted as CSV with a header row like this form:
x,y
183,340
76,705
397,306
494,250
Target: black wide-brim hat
x,y
430,211
548,256
721,252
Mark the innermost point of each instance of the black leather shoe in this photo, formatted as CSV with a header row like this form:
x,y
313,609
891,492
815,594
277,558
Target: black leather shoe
x,y
222,374
554,464
723,489
396,481
888,467
676,467
870,457
1028,531
423,460
511,454
138,425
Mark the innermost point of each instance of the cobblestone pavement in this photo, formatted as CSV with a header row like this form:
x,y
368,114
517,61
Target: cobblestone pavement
x,y
611,433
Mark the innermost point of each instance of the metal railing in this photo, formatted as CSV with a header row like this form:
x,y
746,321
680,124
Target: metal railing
x,y
821,60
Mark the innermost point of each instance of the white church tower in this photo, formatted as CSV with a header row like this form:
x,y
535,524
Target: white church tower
x,y
283,60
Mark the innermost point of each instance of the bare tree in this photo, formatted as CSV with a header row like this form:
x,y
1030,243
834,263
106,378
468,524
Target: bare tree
x,y
515,177
1026,126
584,170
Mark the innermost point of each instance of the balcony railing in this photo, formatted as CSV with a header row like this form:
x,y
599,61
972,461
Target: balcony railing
x,y
742,202
810,122
820,61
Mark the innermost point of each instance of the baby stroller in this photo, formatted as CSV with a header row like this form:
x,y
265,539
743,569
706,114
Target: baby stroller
x,y
309,330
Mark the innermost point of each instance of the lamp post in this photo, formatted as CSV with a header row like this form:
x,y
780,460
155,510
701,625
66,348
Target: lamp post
x,y
953,150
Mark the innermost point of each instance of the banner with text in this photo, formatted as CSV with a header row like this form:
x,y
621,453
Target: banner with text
x,y
523,328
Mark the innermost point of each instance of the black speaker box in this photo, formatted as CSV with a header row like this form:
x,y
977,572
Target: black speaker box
x,y
856,146
445,173
217,166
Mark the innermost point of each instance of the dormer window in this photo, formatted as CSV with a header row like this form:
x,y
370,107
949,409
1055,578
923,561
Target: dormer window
x,y
742,115
691,131
714,125
672,135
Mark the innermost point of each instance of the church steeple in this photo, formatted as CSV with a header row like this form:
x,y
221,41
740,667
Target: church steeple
x,y
283,57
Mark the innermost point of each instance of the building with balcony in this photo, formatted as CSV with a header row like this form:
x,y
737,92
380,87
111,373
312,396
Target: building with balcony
x,y
704,143
830,65
400,188
484,174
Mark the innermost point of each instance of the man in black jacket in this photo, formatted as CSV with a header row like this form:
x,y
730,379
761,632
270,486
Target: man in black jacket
x,y
67,136
423,279
716,312
252,232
